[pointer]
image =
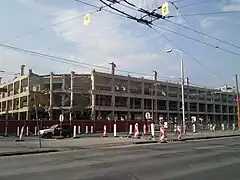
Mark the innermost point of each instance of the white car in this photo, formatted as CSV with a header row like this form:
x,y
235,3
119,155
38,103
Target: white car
x,y
55,131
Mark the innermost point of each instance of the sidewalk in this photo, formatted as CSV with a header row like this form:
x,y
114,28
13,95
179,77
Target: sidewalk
x,y
30,145
205,135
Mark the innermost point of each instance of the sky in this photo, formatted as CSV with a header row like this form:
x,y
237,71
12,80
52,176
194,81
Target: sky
x,y
55,28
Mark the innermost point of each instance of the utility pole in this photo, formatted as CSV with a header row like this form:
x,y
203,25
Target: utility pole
x,y
51,97
152,104
71,98
113,67
36,113
183,96
238,103
188,104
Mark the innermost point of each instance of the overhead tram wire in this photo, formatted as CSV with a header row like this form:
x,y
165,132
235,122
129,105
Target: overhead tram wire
x,y
101,7
46,27
177,8
170,22
211,13
49,56
194,4
187,53
65,60
191,38
212,37
52,25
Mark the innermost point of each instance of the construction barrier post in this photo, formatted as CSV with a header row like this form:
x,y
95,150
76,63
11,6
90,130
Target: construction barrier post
x,y
18,131
136,130
115,130
74,131
35,130
130,130
162,134
179,132
91,129
27,133
152,129
144,129
104,131
222,127
194,128
21,135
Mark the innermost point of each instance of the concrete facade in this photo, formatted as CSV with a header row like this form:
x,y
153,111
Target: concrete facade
x,y
130,98
110,96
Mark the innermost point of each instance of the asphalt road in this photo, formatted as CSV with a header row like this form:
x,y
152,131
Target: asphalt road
x,y
196,160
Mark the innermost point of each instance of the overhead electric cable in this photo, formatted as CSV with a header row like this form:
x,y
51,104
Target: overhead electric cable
x,y
191,38
231,44
187,53
176,7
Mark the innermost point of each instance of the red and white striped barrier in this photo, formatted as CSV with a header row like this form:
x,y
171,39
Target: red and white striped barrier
x,y
144,129
162,134
104,131
136,131
179,132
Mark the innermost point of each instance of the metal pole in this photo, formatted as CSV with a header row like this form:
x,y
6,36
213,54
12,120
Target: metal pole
x,y
152,104
71,98
238,102
60,129
183,98
36,113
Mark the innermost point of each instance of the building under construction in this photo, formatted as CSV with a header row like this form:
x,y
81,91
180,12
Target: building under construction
x,y
109,96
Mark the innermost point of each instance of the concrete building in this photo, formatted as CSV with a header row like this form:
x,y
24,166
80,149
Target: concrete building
x,y
109,96
52,95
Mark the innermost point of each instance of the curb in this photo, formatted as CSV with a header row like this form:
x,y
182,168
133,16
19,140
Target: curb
x,y
145,142
206,137
27,152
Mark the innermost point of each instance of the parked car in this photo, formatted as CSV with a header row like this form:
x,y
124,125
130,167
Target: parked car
x,y
54,130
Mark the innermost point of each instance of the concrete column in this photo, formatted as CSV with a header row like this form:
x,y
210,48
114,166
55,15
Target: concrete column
x,y
13,97
155,104
113,96
197,105
128,99
71,95
93,96
63,89
178,104
142,101
51,97
188,98
19,99
214,106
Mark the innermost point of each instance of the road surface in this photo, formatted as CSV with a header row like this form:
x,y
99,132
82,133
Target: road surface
x,y
199,160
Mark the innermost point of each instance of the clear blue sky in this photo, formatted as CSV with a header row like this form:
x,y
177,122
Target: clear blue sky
x,y
132,46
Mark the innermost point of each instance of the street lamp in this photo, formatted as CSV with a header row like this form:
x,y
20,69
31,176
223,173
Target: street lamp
x,y
182,78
